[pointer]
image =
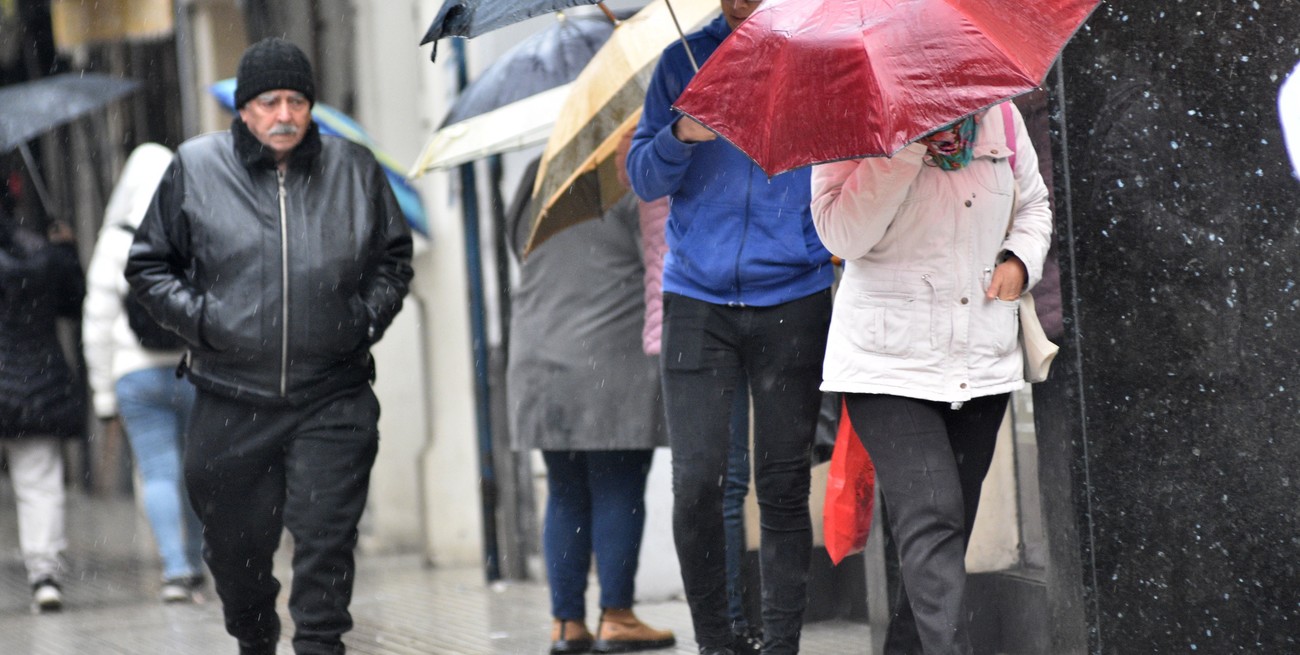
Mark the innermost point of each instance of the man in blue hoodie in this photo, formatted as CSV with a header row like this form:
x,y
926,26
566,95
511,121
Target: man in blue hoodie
x,y
746,288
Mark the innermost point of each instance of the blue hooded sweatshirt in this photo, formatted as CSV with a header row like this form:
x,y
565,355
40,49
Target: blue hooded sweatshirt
x,y
735,237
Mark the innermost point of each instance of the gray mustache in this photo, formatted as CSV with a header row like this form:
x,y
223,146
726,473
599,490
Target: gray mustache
x,y
283,129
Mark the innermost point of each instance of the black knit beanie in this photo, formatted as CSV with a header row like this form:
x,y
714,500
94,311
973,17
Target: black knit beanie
x,y
273,64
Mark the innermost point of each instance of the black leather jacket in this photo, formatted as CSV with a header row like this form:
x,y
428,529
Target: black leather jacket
x,y
279,283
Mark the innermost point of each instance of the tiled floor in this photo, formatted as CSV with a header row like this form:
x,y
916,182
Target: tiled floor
x,y
400,606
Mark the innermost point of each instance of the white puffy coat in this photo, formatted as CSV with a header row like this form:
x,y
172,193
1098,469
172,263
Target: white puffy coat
x,y
111,348
919,246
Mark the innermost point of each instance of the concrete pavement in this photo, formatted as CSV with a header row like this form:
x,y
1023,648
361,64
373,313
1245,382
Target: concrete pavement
x,y
400,606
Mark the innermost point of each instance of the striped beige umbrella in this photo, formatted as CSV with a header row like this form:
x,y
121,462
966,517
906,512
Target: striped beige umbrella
x,y
577,180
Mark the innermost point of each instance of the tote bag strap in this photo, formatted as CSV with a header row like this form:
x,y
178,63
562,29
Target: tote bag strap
x,y
1009,128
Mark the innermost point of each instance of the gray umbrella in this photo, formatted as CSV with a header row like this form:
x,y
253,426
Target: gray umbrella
x,y
30,109
470,18
545,60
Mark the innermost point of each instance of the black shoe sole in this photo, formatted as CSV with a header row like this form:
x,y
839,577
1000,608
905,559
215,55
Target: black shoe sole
x,y
603,646
570,647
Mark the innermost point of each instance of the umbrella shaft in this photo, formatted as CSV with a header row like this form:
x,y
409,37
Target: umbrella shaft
x,y
608,14
682,35
38,181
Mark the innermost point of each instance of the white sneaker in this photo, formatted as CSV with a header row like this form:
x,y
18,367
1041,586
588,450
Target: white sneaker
x,y
46,596
176,590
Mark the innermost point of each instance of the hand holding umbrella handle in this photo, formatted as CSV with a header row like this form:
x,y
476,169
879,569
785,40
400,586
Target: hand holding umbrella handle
x,y
689,130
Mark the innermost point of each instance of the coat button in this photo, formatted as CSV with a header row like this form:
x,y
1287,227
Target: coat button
x,y
994,151
963,385
965,301
968,203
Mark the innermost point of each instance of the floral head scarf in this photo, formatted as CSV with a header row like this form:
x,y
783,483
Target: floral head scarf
x,y
950,146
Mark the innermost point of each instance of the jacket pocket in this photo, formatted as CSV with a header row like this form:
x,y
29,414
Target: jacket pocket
x,y
336,324
1004,326
885,322
993,175
213,334
359,327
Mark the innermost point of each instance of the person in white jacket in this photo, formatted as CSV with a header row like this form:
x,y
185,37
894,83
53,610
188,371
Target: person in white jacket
x,y
1288,110
923,338
139,384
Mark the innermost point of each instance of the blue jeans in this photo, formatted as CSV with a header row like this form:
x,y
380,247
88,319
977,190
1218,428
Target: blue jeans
x,y
733,504
595,503
780,350
155,407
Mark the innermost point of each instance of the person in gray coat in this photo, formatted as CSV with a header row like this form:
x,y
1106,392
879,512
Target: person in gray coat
x,y
580,389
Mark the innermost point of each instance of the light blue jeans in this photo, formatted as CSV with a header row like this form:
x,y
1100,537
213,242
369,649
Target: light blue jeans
x,y
155,407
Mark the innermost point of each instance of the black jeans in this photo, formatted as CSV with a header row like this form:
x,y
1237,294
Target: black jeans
x,y
930,464
251,471
780,349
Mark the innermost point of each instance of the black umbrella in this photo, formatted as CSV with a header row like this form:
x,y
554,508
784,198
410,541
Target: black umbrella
x,y
470,18
545,60
30,109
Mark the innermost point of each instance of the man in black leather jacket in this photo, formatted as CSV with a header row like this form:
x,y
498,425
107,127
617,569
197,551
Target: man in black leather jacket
x,y
280,255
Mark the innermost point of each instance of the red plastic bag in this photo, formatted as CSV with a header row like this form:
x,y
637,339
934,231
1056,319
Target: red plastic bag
x,y
850,493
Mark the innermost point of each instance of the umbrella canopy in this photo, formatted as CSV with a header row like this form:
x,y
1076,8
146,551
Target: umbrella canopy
x,y
513,103
520,124
577,180
861,78
470,18
333,121
545,60
30,109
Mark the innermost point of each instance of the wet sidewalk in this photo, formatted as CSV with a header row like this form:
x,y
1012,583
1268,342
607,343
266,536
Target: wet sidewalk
x,y
400,606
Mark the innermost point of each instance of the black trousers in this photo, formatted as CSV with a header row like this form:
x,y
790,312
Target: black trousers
x,y
252,470
930,464
780,349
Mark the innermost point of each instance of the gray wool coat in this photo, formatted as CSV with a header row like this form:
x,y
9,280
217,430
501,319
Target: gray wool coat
x,y
577,377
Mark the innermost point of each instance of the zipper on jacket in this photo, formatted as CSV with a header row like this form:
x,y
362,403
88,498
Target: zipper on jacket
x,y
934,303
284,283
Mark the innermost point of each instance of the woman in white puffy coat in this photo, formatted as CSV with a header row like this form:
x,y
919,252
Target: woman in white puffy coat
x,y
140,384
924,335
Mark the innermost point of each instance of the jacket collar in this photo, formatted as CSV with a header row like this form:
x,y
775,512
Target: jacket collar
x,y
253,154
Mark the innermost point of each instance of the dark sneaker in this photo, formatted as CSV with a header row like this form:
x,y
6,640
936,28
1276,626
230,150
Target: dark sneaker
x,y
749,642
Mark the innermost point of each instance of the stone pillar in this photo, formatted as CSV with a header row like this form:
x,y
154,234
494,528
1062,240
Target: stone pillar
x,y
1179,246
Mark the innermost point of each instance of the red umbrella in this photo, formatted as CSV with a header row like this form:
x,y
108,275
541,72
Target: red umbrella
x,y
808,81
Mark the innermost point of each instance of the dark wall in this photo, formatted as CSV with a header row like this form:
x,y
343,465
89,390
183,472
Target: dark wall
x,y
1183,245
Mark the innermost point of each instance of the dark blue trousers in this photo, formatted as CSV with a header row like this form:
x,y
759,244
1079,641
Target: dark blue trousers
x,y
595,504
